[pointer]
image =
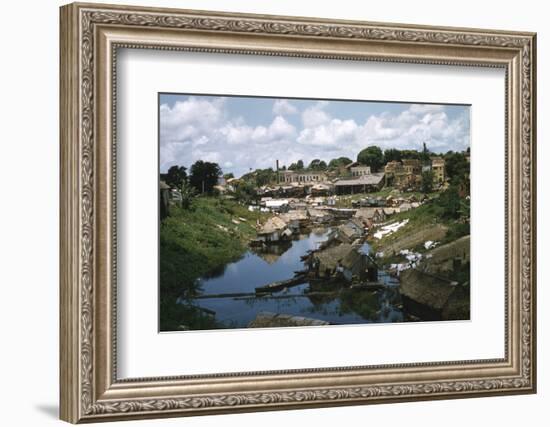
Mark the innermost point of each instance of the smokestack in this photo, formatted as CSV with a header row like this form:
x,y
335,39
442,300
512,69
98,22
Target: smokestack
x,y
277,167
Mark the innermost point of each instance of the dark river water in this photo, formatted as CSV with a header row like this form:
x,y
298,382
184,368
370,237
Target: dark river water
x,y
257,269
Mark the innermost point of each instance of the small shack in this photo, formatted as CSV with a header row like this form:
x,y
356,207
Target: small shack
x,y
342,261
320,216
390,211
322,189
276,205
363,184
425,295
295,220
357,224
347,233
370,216
274,230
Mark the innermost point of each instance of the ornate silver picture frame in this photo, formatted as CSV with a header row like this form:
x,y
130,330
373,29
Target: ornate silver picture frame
x,y
91,35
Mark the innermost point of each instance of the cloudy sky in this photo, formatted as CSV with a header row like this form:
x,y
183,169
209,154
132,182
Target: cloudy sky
x,y
244,133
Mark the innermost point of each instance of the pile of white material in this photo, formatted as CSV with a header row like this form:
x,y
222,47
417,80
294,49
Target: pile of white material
x,y
412,257
398,268
390,228
429,244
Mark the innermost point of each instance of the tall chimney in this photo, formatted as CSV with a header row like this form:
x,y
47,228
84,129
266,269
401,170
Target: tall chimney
x,y
277,167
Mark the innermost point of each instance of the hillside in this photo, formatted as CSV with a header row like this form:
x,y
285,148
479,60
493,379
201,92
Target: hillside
x,y
196,242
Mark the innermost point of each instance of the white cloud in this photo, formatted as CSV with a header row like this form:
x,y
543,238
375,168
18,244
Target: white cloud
x,y
283,107
406,130
280,128
196,129
315,116
425,108
243,134
332,134
204,129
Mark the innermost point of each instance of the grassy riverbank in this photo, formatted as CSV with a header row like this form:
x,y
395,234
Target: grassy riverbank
x,y
346,201
443,220
196,242
434,221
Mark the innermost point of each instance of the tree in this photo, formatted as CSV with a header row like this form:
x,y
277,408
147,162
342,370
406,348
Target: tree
x,y
457,168
246,192
175,176
265,176
371,156
340,161
317,164
427,184
188,192
229,175
204,176
299,165
410,154
425,155
451,202
392,155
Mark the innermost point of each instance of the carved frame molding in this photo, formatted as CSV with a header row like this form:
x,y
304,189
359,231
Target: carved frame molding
x,y
90,36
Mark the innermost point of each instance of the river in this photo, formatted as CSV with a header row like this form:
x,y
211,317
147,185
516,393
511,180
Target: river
x,y
257,269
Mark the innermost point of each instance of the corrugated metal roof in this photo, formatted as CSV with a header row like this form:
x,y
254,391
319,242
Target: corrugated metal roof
x,y
372,179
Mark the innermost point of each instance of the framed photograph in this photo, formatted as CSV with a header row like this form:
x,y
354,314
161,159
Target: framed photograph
x,y
266,212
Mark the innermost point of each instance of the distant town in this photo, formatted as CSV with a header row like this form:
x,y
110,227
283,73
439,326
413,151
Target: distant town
x,y
385,236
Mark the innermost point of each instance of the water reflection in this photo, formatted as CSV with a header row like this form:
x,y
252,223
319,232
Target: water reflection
x,y
334,304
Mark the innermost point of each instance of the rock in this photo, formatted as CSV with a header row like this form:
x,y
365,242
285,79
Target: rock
x,y
267,319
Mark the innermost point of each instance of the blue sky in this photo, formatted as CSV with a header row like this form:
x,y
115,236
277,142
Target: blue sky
x,y
243,133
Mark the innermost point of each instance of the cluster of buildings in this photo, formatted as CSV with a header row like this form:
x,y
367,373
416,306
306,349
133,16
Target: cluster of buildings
x,y
408,172
293,215
356,178
341,256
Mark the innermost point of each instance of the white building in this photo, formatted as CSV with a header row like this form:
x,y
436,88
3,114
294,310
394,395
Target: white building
x,y
359,170
302,177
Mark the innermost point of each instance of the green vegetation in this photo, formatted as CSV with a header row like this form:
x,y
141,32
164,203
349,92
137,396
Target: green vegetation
x,y
457,167
427,181
392,154
317,165
339,162
246,192
299,165
371,156
196,242
204,176
175,176
448,210
260,177
188,193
